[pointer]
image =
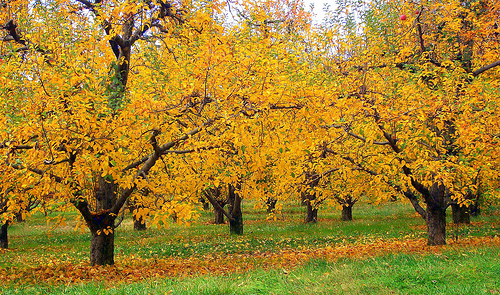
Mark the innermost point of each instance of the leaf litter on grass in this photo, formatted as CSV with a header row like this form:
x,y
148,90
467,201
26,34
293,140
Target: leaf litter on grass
x,y
135,268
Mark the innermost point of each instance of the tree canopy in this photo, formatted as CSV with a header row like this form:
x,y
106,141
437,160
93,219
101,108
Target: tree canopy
x,y
108,103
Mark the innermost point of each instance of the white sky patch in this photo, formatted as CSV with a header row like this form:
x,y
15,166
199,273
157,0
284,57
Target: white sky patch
x,y
318,8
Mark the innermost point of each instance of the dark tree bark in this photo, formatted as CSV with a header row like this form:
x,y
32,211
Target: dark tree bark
x,y
475,209
101,224
436,215
102,243
234,213
270,204
139,223
236,223
19,217
105,194
214,194
460,214
219,214
312,213
206,205
347,212
4,238
347,202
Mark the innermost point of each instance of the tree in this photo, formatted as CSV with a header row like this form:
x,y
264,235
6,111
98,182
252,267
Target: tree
x,y
95,128
417,96
16,200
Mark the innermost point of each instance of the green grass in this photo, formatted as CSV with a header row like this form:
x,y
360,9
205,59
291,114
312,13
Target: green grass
x,y
469,271
202,238
475,271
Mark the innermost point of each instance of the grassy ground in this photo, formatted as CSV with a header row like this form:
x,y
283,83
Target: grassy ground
x,y
368,265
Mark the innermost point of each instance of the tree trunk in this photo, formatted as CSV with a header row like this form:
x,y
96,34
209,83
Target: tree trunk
x,y
206,205
271,204
101,225
19,217
312,213
139,223
236,224
436,226
347,212
460,214
102,243
436,215
4,238
102,247
475,207
219,214
105,194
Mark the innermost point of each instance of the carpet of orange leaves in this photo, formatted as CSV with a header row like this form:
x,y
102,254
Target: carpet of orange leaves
x,y
130,269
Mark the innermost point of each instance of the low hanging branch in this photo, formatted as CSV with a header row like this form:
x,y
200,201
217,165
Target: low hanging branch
x,y
216,205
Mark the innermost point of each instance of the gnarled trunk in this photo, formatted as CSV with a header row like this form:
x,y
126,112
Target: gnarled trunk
x,y
102,247
436,215
4,238
460,214
436,226
347,212
236,223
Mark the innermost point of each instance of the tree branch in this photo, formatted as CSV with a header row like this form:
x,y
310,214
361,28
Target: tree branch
x,y
82,206
364,139
164,149
485,68
149,163
217,205
277,107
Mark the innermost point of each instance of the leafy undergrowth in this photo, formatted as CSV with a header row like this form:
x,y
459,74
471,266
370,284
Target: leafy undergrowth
x,y
135,268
